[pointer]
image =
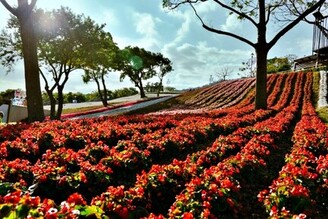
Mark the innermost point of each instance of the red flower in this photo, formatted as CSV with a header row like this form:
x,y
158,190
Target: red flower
x,y
187,215
299,190
13,198
123,212
76,199
226,183
32,201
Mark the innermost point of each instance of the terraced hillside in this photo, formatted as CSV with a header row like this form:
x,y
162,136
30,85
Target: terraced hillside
x,y
211,156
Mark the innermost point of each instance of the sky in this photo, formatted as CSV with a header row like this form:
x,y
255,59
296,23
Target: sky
x,y
196,54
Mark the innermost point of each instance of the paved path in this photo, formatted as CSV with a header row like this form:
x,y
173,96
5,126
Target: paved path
x,y
125,109
117,100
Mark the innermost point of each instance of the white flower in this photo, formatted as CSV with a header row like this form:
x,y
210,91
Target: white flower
x,y
64,204
76,212
52,211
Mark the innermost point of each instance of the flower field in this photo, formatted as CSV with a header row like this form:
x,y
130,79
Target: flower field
x,y
213,157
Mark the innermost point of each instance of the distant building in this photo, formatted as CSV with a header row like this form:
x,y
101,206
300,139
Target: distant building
x,y
19,98
319,55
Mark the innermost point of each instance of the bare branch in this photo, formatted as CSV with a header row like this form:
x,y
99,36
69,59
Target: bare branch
x,y
9,8
243,15
220,31
271,9
295,22
176,5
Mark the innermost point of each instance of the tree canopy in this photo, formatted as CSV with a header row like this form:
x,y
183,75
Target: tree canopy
x,y
278,64
139,64
104,59
66,42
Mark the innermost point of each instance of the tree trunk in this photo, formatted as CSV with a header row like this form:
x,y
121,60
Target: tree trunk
x,y
101,95
105,90
32,77
159,87
261,49
261,79
141,89
52,104
60,102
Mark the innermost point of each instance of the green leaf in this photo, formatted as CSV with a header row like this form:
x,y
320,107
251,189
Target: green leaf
x,y
12,215
22,211
90,211
5,209
5,188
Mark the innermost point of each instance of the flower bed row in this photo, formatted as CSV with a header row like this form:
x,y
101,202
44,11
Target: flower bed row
x,y
301,188
158,166
231,96
203,94
217,190
158,187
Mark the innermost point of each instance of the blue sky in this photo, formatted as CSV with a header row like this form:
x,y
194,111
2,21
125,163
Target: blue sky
x,y
195,53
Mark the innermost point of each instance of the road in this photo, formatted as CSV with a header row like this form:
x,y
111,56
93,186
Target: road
x,y
125,109
119,110
117,100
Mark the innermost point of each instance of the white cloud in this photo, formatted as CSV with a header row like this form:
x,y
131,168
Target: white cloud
x,y
109,17
194,64
146,25
232,24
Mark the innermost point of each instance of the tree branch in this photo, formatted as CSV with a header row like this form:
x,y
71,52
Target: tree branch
x,y
9,8
176,5
271,8
44,79
32,5
222,32
243,15
294,23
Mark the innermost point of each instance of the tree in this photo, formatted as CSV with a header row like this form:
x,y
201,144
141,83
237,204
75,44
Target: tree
x,y
74,97
62,37
63,40
139,64
261,14
23,13
103,60
164,67
278,65
224,73
170,89
249,67
6,96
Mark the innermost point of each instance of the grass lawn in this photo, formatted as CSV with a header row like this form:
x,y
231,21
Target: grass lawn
x,y
81,109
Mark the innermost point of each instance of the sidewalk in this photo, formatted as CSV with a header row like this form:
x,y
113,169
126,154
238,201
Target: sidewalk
x,y
118,109
117,100
121,105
